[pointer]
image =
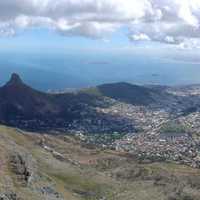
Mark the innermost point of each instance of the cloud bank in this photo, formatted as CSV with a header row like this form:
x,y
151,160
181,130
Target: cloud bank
x,y
165,21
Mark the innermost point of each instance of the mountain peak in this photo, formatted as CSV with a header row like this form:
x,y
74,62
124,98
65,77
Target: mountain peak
x,y
15,79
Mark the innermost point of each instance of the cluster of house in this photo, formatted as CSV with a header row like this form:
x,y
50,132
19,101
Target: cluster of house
x,y
107,124
87,123
178,147
143,117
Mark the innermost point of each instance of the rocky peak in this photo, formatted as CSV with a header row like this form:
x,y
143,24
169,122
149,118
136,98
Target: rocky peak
x,y
14,80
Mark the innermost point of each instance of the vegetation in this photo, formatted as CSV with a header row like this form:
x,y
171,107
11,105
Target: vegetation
x,y
128,93
85,174
174,127
104,139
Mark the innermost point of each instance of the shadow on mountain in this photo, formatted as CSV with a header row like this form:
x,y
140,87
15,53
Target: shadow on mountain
x,y
26,108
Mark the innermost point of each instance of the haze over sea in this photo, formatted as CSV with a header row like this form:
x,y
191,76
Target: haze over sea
x,y
60,70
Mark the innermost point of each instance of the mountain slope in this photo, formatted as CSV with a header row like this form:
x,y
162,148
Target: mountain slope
x,y
124,92
128,93
25,107
19,100
47,167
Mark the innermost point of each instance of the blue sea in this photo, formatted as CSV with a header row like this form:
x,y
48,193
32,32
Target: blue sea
x,y
83,69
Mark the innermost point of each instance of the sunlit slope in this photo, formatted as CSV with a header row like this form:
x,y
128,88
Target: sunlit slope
x,y
34,166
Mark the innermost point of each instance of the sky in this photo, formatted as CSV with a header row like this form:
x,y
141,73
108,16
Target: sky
x,y
106,24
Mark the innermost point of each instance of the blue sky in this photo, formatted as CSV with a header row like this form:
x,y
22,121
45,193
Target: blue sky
x,y
43,40
34,39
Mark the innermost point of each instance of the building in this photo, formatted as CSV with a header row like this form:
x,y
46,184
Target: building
x,y
172,137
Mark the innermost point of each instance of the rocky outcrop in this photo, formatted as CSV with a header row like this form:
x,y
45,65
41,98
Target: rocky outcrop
x,y
22,165
9,196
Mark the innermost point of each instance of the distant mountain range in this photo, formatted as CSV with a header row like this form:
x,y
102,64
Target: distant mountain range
x,y
23,106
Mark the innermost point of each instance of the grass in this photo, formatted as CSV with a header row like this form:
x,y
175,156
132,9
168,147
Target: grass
x,y
88,182
87,186
92,91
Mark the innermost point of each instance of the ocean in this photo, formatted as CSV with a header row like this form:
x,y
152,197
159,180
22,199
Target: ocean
x,y
62,70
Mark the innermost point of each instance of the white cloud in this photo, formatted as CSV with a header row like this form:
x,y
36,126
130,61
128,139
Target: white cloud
x,y
166,21
169,39
179,22
189,44
139,37
87,29
6,29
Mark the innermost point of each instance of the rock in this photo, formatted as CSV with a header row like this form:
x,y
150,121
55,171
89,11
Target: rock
x,y
86,194
22,165
9,196
51,192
